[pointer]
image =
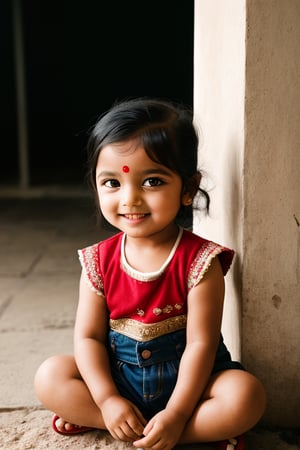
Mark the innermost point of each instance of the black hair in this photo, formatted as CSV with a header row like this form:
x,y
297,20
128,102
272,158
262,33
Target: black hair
x,y
164,129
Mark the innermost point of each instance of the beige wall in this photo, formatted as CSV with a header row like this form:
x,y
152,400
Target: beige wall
x,y
219,110
247,101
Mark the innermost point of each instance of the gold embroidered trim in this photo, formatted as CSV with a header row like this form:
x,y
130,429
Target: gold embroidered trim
x,y
146,331
88,258
202,262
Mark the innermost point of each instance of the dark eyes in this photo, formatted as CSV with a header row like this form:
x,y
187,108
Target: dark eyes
x,y
153,182
111,183
149,182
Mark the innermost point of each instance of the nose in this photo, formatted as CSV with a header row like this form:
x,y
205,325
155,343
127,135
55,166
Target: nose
x,y
131,196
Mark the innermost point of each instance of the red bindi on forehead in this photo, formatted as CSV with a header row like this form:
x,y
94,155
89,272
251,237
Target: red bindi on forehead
x,y
125,169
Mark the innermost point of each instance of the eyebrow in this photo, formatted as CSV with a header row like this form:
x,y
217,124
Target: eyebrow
x,y
106,173
153,171
157,171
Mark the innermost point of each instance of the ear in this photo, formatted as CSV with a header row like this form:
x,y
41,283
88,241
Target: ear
x,y
190,189
186,199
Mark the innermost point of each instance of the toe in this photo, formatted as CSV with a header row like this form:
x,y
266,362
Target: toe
x,y
61,424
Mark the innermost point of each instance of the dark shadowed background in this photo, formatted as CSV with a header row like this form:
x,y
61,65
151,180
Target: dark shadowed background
x,y
80,57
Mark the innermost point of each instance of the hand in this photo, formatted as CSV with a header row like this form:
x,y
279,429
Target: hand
x,y
162,431
122,418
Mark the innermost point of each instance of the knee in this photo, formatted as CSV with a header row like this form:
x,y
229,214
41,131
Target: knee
x,y
257,396
48,375
251,399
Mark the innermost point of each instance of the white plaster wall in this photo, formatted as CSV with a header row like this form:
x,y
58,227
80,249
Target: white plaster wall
x,y
219,65
247,101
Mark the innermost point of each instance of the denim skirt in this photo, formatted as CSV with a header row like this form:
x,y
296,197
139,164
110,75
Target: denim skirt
x,y
146,372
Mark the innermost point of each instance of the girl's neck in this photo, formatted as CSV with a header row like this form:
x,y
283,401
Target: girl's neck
x,y
163,238
149,254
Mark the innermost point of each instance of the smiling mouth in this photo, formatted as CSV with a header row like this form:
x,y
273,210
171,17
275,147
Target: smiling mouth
x,y
134,216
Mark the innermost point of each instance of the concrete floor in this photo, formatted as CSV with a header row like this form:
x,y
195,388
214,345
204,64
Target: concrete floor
x,y
39,273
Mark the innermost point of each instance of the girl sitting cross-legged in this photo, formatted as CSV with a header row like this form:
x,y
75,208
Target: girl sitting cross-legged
x,y
150,365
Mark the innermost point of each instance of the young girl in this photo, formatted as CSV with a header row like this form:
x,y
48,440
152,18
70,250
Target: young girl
x,y
150,365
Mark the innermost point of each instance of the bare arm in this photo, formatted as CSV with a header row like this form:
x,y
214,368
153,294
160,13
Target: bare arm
x,y
205,308
90,337
121,417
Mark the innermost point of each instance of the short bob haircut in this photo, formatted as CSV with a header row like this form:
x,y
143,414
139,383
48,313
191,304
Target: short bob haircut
x,y
163,129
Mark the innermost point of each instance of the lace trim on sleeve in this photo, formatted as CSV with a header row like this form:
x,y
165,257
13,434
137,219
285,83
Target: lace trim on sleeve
x,y
90,264
204,259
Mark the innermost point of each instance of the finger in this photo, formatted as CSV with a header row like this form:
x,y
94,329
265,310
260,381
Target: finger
x,y
121,435
118,434
139,415
129,431
136,426
113,434
160,445
149,427
146,442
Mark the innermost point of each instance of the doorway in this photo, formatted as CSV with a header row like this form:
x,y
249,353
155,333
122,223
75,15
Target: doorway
x,y
79,59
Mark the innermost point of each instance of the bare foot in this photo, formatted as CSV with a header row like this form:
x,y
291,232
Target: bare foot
x,y
64,426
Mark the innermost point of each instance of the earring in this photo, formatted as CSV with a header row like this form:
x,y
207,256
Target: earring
x,y
188,202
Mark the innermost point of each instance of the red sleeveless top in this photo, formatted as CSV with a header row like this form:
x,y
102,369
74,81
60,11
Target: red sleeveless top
x,y
150,298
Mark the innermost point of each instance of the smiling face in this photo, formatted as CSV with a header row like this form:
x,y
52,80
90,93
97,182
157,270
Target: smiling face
x,y
142,200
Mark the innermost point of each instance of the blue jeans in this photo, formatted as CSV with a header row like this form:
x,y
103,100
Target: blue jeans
x,y
146,372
